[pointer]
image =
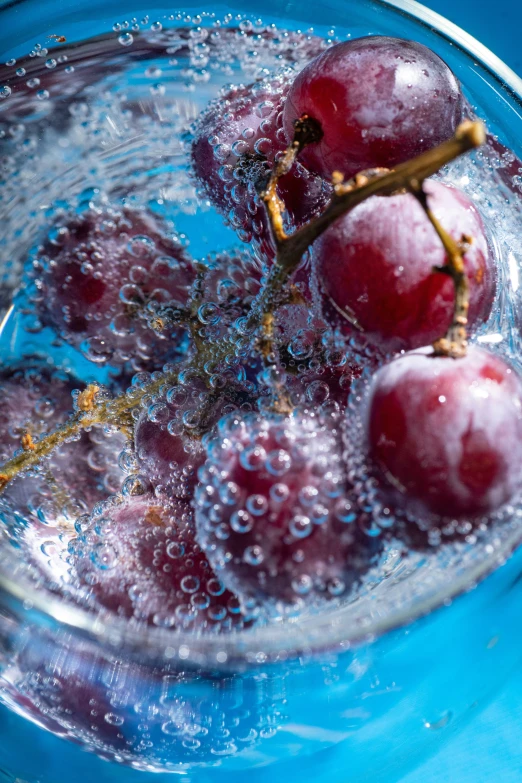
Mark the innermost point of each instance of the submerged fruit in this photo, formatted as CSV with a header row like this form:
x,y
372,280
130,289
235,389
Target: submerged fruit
x,y
447,433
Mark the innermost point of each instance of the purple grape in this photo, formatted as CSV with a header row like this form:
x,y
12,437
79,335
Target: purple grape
x,y
448,433
235,144
167,435
98,278
39,507
377,265
35,399
379,101
139,558
273,513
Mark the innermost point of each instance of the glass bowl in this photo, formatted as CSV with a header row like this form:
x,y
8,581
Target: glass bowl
x,y
364,692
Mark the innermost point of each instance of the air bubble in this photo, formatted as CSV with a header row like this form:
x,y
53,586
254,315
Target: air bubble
x,y
302,584
279,493
190,584
300,526
253,458
126,39
257,505
241,521
175,550
114,720
254,555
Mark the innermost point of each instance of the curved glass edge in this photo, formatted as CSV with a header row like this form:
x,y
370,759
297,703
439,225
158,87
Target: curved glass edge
x,y
315,633
466,41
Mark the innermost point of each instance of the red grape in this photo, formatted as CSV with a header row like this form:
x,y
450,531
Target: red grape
x,y
447,433
99,275
376,263
272,512
379,101
168,434
139,558
235,144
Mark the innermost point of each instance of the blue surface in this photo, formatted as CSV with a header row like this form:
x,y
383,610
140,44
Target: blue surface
x,y
497,25
490,748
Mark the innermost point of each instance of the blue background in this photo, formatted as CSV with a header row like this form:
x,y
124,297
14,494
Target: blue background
x,y
495,23
490,748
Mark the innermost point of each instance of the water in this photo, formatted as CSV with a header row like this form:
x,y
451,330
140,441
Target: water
x,y
106,124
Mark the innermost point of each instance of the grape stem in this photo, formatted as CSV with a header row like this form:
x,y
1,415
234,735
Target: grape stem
x,y
347,195
306,131
454,343
290,249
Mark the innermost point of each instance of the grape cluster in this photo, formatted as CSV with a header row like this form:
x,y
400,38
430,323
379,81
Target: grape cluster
x,y
271,441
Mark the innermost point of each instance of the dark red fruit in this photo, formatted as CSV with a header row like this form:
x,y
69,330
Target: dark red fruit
x,y
39,508
376,264
379,101
139,559
447,433
236,142
34,400
100,275
167,436
272,511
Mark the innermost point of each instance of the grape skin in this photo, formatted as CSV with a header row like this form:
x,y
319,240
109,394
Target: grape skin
x,y
139,559
376,263
98,276
272,512
448,433
379,101
235,144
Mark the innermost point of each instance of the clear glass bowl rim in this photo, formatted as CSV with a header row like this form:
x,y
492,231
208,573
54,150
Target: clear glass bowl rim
x,y
324,631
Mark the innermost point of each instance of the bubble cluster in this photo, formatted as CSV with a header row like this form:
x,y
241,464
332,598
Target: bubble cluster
x,y
168,434
99,276
159,719
40,506
236,141
273,510
138,558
